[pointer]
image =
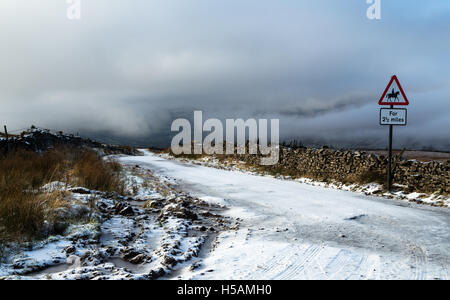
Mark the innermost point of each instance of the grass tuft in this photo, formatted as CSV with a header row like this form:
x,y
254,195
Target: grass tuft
x,y
24,207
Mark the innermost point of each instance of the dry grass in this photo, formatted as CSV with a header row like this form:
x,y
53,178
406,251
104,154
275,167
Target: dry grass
x,y
93,173
24,208
368,176
191,156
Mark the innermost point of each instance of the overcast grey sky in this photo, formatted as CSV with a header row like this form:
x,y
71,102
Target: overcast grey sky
x,y
127,68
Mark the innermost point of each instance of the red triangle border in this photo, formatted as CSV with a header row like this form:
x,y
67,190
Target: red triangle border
x,y
381,101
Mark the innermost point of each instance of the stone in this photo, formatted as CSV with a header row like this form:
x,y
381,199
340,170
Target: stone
x,y
150,204
127,211
80,190
169,261
69,250
195,266
155,274
138,259
130,254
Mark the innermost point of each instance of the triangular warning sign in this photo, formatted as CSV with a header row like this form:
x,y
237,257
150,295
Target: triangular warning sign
x,y
394,94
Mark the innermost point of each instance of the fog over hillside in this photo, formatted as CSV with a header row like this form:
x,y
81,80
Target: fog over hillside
x,y
126,69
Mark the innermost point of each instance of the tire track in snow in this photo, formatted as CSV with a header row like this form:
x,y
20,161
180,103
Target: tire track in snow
x,y
337,264
291,261
373,264
278,203
356,266
419,263
274,265
313,262
364,269
298,266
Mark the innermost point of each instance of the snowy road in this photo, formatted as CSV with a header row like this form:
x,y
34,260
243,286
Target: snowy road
x,y
292,230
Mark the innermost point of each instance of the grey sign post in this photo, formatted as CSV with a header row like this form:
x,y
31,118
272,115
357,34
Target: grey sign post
x,y
393,116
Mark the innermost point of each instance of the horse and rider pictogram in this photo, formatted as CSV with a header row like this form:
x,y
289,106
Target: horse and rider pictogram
x,y
395,97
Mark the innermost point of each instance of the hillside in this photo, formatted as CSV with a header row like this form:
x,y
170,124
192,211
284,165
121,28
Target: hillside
x,y
37,139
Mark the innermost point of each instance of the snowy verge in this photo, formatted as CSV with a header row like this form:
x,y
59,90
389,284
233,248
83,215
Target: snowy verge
x,y
145,235
370,189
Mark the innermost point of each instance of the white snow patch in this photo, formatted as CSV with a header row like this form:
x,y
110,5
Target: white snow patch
x,y
305,230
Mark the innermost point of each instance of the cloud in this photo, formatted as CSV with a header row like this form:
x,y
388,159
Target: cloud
x,y
313,107
125,70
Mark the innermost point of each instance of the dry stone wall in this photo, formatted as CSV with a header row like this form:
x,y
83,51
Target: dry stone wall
x,y
359,167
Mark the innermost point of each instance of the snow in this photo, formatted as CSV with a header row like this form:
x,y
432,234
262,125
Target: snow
x,y
135,185
54,186
295,230
102,243
272,228
374,189
47,253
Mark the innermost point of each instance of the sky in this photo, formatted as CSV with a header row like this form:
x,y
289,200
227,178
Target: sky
x,y
127,69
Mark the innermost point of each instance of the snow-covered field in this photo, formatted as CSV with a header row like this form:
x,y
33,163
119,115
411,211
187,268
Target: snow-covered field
x,y
293,230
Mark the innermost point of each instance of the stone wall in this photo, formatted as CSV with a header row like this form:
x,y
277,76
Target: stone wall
x,y
358,167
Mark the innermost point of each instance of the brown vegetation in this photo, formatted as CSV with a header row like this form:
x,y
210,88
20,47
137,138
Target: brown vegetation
x,y
94,173
24,207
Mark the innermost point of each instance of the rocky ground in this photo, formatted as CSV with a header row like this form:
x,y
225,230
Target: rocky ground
x,y
150,234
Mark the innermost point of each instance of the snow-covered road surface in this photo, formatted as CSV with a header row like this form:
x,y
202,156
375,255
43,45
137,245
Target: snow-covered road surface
x,y
292,230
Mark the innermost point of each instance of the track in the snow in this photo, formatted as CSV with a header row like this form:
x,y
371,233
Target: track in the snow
x,y
333,234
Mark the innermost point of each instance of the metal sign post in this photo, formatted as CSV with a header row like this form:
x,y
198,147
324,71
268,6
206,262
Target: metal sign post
x,y
389,175
392,117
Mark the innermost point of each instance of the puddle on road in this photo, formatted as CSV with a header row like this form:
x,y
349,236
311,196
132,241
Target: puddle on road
x,y
116,261
205,250
51,270
123,264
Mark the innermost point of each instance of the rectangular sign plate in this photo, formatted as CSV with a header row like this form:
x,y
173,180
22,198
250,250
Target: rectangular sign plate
x,y
393,116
